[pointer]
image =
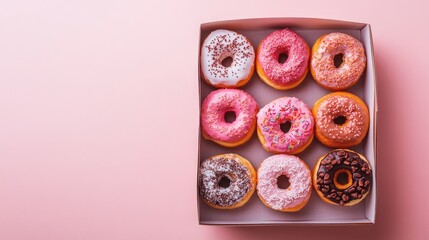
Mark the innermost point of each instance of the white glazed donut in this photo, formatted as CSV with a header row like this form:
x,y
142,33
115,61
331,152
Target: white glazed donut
x,y
218,46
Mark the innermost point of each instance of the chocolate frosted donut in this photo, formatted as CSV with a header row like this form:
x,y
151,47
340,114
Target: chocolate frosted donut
x,y
226,181
342,177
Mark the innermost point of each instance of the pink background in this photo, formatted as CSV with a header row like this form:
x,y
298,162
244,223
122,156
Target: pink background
x,y
98,117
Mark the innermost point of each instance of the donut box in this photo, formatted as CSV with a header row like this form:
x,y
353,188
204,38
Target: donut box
x,y
316,212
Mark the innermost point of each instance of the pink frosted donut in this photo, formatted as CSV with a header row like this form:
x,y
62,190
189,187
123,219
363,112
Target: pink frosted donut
x,y
298,193
269,65
323,68
290,111
214,125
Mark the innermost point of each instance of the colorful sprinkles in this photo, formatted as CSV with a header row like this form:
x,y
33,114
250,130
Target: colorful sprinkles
x,y
278,112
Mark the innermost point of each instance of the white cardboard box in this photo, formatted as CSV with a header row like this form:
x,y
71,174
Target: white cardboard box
x,y
316,212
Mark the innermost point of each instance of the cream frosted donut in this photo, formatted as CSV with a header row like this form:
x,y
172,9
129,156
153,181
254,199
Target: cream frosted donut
x,y
296,195
218,46
342,120
280,111
290,73
240,181
213,124
322,66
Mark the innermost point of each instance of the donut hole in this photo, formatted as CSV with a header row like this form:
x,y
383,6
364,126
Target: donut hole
x,y
285,127
343,179
338,60
340,120
283,182
224,182
230,117
282,57
226,62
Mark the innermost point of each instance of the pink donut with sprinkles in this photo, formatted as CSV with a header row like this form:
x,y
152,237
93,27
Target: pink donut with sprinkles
x,y
294,197
217,128
342,120
282,59
285,125
347,72
220,46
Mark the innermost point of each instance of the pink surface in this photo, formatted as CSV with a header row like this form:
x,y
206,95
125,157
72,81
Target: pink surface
x,y
87,151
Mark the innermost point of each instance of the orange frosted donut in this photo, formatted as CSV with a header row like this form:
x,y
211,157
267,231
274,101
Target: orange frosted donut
x,y
342,120
322,65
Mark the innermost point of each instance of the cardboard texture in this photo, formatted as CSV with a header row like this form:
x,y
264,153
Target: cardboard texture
x,y
316,211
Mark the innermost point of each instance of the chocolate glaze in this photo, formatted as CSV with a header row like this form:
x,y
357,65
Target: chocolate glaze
x,y
211,172
351,161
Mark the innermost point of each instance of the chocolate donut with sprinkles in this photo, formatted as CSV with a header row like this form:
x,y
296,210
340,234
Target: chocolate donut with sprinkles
x,y
226,181
342,177
219,47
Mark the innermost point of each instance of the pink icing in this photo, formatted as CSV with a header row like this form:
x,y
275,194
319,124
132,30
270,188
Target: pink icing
x,y
299,176
280,111
213,110
354,61
335,106
284,41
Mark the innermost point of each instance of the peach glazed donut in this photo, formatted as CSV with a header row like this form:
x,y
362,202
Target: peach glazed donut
x,y
285,125
226,181
323,67
282,59
342,177
342,120
217,105
296,195
220,46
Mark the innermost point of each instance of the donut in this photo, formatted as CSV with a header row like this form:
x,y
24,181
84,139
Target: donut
x,y
294,197
270,66
342,120
323,67
219,46
342,177
221,102
226,181
278,113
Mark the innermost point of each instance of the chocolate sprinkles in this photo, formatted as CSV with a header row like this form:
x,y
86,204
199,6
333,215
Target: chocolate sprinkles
x,y
214,169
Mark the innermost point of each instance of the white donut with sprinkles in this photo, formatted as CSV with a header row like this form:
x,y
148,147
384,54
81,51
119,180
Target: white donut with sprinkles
x,y
220,46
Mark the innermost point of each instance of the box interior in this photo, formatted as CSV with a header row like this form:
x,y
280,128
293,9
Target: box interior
x,y
316,211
